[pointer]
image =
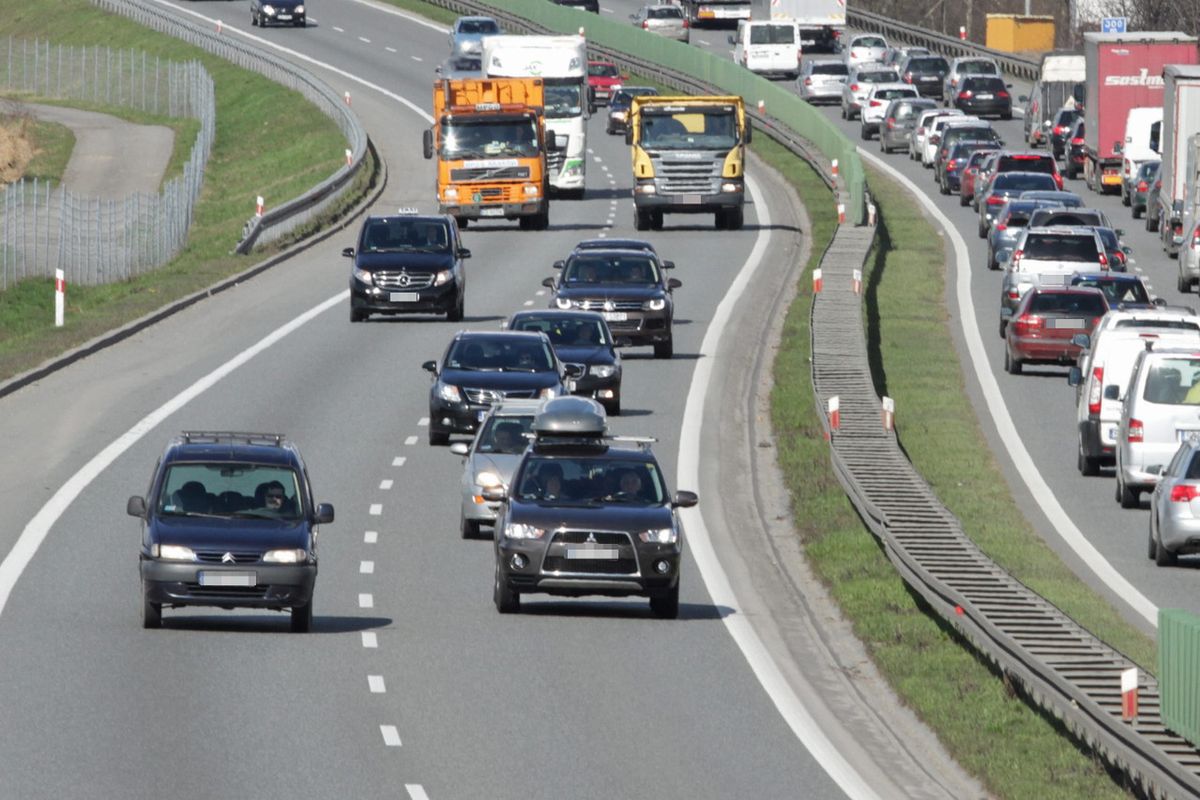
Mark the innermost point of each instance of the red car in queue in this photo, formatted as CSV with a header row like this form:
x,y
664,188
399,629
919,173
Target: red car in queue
x,y
966,183
1047,319
604,78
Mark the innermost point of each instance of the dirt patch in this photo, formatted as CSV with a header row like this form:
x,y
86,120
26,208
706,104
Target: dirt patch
x,y
16,146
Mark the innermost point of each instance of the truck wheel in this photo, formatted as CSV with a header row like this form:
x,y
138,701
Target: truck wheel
x,y
641,220
1152,548
719,219
656,220
507,601
526,223
734,219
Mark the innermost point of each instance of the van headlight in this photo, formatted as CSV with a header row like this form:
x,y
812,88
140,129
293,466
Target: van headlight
x,y
293,555
363,276
603,370
173,552
562,302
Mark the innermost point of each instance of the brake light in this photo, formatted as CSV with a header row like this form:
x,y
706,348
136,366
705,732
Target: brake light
x,y
1142,186
1057,180
876,103
1059,130
996,200
1178,229
1026,157
891,123
1196,238
686,24
908,77
1103,261
965,95
1001,94
1119,257
1013,294
1094,393
1000,226
1078,140
645,24
951,166
1016,256
1184,493
1028,323
854,87
1135,432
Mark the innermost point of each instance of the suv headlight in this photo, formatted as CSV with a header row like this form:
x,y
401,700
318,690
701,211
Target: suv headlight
x,y
443,277
269,10
448,392
655,304
364,276
519,530
603,370
294,555
299,9
173,552
659,536
562,302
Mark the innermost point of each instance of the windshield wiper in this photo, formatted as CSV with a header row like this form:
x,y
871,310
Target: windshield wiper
x,y
166,513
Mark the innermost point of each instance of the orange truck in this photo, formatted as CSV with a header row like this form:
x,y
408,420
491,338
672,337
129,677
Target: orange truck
x,y
490,140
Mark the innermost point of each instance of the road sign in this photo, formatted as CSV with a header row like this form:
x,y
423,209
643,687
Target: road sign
x,y
1113,24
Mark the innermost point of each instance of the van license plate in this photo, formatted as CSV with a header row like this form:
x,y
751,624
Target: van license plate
x,y
228,579
403,297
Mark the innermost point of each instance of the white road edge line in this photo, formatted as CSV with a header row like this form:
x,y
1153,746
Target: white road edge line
x,y
790,707
1026,467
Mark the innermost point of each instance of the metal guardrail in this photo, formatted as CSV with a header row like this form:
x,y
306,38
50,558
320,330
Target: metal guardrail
x,y
277,220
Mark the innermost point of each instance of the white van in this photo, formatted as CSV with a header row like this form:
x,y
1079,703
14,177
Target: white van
x,y
1143,129
1161,409
768,47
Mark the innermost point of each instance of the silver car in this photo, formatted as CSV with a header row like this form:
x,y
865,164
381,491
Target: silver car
x,y
865,48
467,33
858,83
668,21
1175,507
899,119
490,458
822,79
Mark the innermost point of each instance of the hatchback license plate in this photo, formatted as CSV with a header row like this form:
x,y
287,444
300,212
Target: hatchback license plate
x,y
491,212
285,17
403,297
615,316
228,579
593,553
983,96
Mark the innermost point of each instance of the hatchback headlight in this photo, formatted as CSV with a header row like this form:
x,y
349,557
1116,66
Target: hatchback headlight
x,y
364,276
655,304
443,277
486,479
173,552
603,370
549,392
448,392
293,555
659,536
562,302
299,9
519,530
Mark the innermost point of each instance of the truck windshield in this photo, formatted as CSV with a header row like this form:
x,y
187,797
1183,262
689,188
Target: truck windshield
x,y
563,100
690,129
489,138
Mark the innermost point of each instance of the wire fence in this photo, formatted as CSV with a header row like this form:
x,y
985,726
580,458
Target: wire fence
x,y
94,240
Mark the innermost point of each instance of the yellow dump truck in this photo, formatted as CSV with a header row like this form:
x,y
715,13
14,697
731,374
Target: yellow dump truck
x,y
689,156
490,140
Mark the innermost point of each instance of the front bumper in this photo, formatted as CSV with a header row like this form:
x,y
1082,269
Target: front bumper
x,y
496,211
476,509
448,417
284,18
689,203
811,93
602,389
372,299
277,586
547,570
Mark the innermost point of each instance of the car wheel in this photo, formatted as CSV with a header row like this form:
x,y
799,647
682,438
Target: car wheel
x,y
1183,284
1002,328
862,133
356,315
666,606
1125,200
613,407
1011,365
469,528
463,222
1129,498
963,199
253,19
1137,211
1087,465
1151,222
456,314
507,601
982,231
302,618
664,349
844,111
656,220
1164,557
438,438
943,187
1151,544
1006,115
151,614
302,23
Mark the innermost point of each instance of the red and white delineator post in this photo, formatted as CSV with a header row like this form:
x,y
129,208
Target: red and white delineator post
x,y
835,414
841,208
818,281
835,172
349,156
60,297
856,281
347,96
219,23
258,206
962,31
889,413
1129,694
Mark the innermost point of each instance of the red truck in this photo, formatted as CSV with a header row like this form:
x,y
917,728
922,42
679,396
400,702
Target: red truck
x,y
1124,71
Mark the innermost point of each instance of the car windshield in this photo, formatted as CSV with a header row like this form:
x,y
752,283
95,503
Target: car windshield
x,y
1017,181
603,70
228,489
699,128
1050,198
587,480
569,331
489,139
1171,382
626,95
501,354
869,41
664,12
977,68
1061,247
401,234
984,85
1117,291
1072,303
877,76
772,34
478,26
631,269
1027,163
964,150
936,64
830,68
504,435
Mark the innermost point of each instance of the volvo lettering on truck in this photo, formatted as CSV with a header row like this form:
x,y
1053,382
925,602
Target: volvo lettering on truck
x,y
689,156
490,142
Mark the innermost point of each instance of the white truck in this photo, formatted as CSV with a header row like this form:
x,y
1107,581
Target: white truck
x,y
561,63
1062,81
1181,119
1143,134
821,22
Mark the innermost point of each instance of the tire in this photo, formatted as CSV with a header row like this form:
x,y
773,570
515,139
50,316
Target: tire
x,y
1151,222
641,220
1006,116
1011,365
507,601
302,618
844,111
982,231
666,606
664,349
1137,211
1164,557
456,314
437,438
1184,285
253,20
1002,329
469,528
613,407
463,222
526,223
719,219
1126,200
962,199
1087,465
1129,498
734,219
356,315
151,614
656,220
1151,544
943,188
862,133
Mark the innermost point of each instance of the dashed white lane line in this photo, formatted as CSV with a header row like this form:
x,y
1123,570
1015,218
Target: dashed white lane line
x,y
390,49
591,151
528,302
339,30
367,568
416,58
376,509
395,12
423,422
370,640
364,40
391,736
410,441
370,537
415,791
702,43
386,484
375,684
398,461
540,292
366,601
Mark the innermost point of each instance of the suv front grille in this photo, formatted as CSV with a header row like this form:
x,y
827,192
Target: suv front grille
x,y
217,557
556,560
403,280
617,305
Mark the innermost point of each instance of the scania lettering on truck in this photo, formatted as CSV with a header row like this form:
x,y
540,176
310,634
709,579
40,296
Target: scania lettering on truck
x,y
714,12
1181,119
1124,71
689,156
561,63
490,142
821,22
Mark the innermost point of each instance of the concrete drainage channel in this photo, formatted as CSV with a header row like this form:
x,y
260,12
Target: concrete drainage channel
x,y
1059,665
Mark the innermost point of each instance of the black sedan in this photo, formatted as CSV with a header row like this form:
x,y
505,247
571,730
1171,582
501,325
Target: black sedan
x,y
278,12
582,339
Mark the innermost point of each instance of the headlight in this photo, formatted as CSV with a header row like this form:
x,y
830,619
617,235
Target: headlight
x,y
573,170
645,188
616,87
450,193
299,9
562,302
731,187
548,392
519,530
268,9
294,555
443,277
532,190
363,276
448,391
486,479
660,536
656,304
603,370
173,552
618,115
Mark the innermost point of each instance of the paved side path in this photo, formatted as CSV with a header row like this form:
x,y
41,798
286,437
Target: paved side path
x,y
112,158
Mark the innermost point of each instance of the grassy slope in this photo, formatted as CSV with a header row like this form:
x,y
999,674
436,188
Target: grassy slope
x,y
52,145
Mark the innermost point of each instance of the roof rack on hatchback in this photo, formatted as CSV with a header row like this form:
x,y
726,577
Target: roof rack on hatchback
x,y
232,437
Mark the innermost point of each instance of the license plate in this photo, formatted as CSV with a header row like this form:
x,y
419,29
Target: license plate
x,y
1186,434
1066,324
1112,433
690,199
228,579
403,297
983,96
1113,178
593,553
491,212
615,316
285,16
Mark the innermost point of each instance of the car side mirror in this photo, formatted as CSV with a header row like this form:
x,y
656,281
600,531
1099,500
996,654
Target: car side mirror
x,y
427,142
494,494
573,370
559,264
668,265
683,499
551,141
324,514
136,507
460,448
1074,377
348,252
464,252
1159,301
1021,98
430,366
1112,392
1119,231
1082,340
548,283
674,283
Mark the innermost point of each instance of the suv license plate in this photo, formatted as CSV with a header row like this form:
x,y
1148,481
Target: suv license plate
x,y
403,297
1066,324
615,316
594,553
491,212
228,579
983,96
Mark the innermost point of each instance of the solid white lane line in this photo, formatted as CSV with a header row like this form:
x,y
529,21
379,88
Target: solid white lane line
x,y
398,461
375,684
376,509
790,707
410,441
370,537
36,529
386,484
391,736
364,40
369,639
366,601
422,422
415,792
1022,460
367,568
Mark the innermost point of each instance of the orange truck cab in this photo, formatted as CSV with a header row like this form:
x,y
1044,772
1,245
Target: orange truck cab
x,y
490,141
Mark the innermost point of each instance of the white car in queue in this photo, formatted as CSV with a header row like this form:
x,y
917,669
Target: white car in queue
x,y
875,104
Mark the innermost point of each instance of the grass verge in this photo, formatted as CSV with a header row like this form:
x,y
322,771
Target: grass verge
x,y
52,144
277,154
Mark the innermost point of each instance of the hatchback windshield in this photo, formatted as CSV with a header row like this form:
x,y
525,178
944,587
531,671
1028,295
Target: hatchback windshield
x,y
830,68
868,41
501,354
590,479
504,435
772,34
630,269
877,76
230,489
664,12
1061,247
1171,380
478,26
571,332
